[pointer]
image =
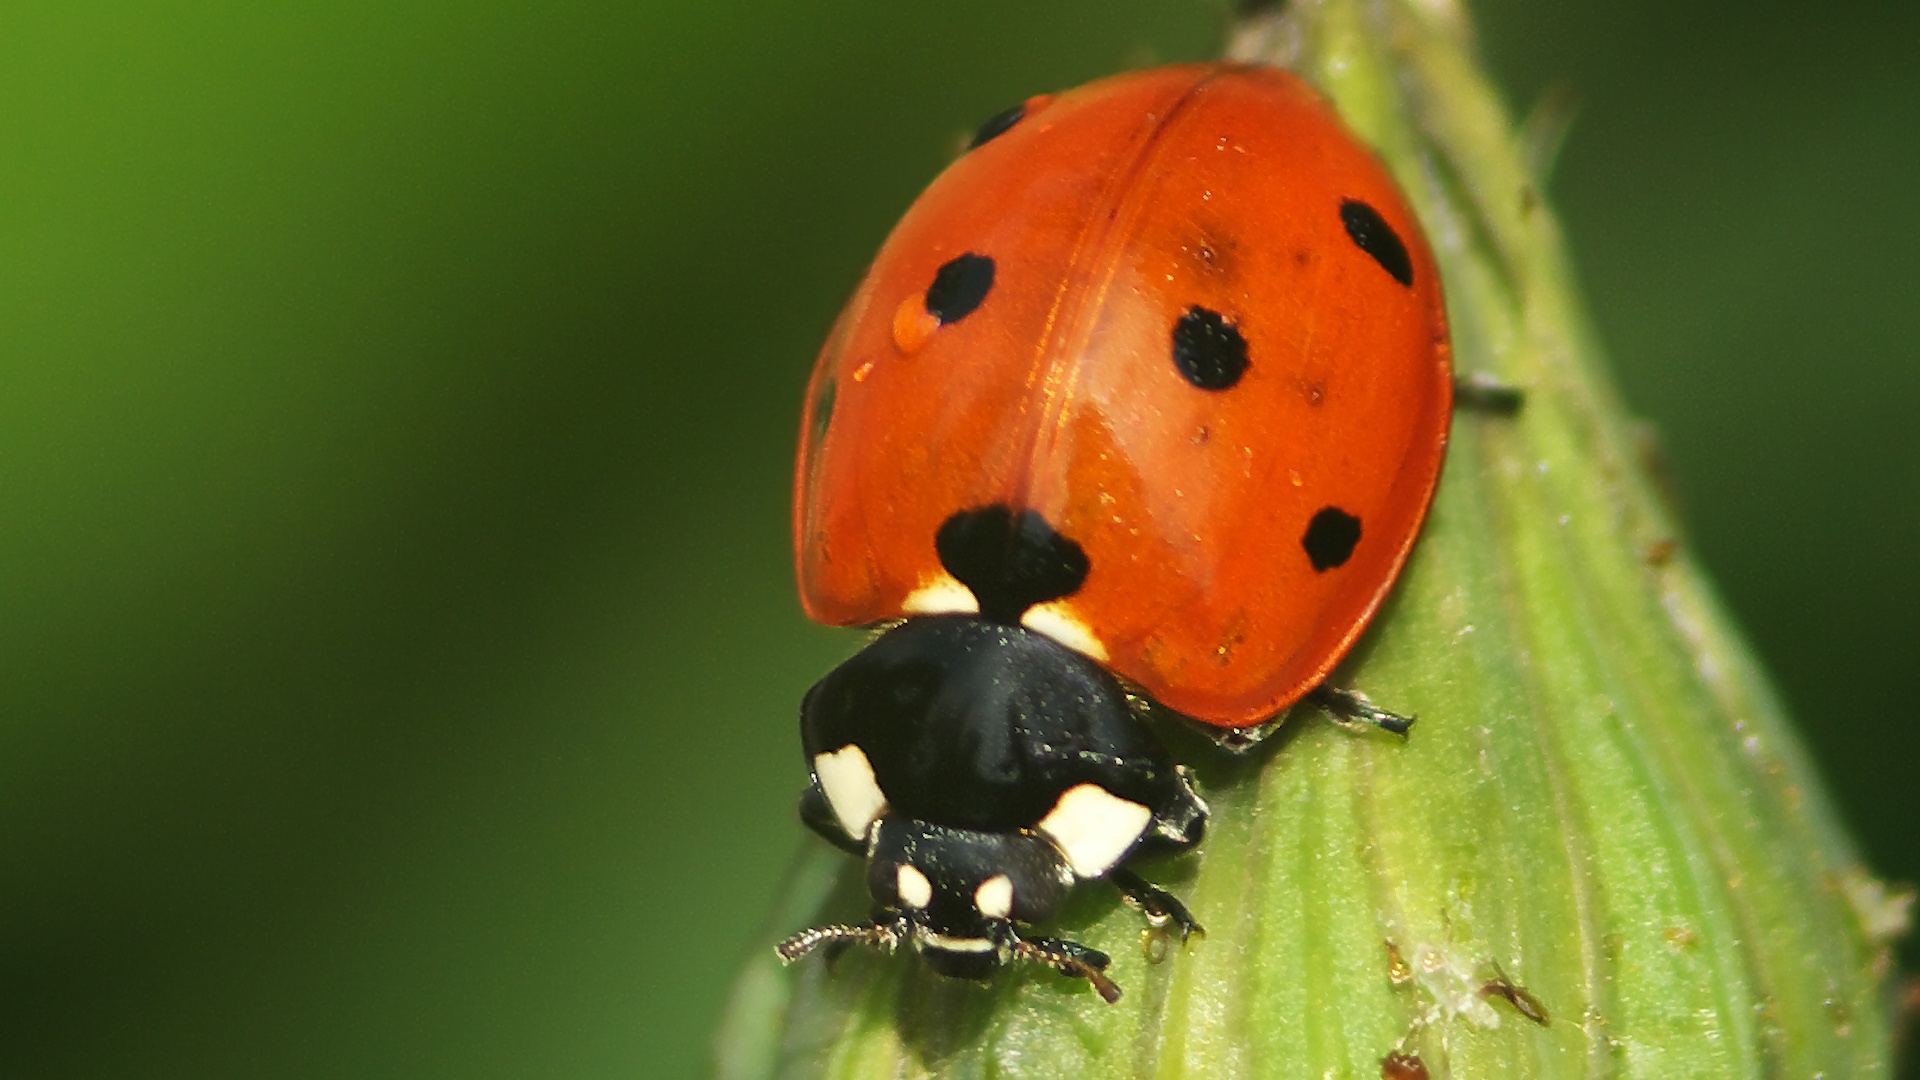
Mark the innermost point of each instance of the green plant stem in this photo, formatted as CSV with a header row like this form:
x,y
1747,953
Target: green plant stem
x,y
1603,799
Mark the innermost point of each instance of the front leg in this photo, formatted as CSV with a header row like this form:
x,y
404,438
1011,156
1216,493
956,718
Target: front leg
x,y
1160,907
1178,825
1070,958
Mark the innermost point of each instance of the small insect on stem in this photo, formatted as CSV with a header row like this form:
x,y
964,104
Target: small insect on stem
x,y
1515,995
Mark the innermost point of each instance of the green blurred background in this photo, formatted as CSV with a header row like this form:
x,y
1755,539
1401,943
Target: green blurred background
x,y
398,656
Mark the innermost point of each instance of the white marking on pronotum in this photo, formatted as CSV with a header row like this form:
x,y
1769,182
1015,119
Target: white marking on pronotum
x,y
994,897
941,595
847,778
1093,827
933,939
915,890
1059,621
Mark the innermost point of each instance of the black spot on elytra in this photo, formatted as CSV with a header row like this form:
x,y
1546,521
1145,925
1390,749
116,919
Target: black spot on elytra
x,y
1208,350
997,125
958,287
1372,234
1330,538
1011,561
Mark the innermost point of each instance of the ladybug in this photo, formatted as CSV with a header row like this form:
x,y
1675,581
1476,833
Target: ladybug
x,y
1139,408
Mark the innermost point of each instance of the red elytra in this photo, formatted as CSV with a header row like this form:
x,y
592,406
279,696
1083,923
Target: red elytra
x,y
1239,537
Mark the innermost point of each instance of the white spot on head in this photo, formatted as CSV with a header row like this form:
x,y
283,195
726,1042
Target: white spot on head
x,y
1093,828
846,776
1058,620
994,897
941,595
933,939
915,890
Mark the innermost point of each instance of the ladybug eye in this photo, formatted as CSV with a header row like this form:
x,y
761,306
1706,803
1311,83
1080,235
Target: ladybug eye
x,y
997,125
1371,233
1208,350
959,287
1330,538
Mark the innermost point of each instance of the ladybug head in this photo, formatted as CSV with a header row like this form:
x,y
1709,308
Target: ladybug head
x,y
961,891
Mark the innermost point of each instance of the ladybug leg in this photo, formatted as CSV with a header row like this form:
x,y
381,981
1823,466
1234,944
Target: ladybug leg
x,y
1070,958
817,814
1178,825
1161,907
1352,708
1482,392
1241,740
